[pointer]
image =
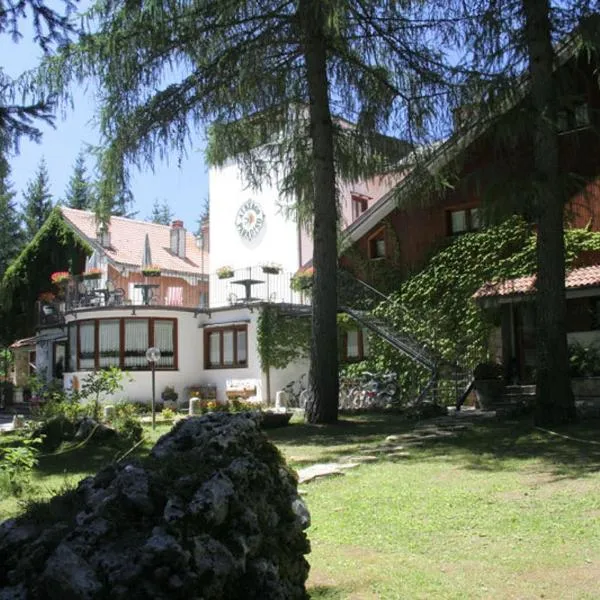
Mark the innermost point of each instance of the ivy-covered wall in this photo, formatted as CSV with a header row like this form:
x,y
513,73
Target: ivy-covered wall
x,y
436,305
55,247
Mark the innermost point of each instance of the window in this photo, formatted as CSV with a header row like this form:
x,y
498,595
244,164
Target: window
x,y
575,117
463,220
376,244
359,206
102,343
354,345
226,347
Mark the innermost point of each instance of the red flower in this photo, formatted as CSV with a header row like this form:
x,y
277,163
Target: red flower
x,y
60,277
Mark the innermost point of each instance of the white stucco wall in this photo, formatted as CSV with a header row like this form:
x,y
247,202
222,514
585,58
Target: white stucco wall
x,y
137,385
276,242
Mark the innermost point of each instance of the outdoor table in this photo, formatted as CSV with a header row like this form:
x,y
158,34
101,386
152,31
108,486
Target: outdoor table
x,y
147,293
248,283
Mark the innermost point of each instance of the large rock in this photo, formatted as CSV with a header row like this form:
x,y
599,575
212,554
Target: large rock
x,y
213,513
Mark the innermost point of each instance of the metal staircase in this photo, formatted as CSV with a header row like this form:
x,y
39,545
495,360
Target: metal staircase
x,y
364,304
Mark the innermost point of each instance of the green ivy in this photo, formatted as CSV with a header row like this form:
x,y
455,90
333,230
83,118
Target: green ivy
x,y
55,247
282,338
436,305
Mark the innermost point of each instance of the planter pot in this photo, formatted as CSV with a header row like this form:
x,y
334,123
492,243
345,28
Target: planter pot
x,y
48,310
271,270
489,392
151,273
92,275
227,275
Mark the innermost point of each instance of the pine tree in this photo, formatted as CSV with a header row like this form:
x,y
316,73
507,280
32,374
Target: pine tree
x,y
22,100
37,201
264,74
11,235
505,40
79,192
161,213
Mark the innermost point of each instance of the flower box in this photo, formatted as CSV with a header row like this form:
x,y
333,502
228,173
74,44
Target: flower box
x,y
92,274
271,268
151,271
224,272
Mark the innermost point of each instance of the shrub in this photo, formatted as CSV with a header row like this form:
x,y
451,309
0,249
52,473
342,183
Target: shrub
x,y
168,414
18,462
127,422
584,361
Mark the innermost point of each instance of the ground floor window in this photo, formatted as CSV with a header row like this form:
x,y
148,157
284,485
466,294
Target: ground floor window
x,y
354,345
102,343
226,347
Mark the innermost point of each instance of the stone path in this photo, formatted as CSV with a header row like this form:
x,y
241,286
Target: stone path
x,y
395,446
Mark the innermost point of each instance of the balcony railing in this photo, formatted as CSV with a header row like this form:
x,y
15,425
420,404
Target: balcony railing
x,y
251,285
186,292
246,286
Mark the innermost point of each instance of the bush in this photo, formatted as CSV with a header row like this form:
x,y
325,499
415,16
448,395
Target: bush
x,y
18,462
127,422
168,414
584,361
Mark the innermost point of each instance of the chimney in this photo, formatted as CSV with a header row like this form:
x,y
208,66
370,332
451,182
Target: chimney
x,y
178,238
103,236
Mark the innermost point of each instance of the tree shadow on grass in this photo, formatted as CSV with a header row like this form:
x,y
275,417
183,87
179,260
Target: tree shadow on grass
x,y
325,592
480,444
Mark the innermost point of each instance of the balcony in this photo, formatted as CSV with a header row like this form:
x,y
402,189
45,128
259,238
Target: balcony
x,y
251,285
246,286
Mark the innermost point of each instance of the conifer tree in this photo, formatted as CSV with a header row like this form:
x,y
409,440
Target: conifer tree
x,y
37,201
23,102
537,46
79,192
161,213
265,73
11,234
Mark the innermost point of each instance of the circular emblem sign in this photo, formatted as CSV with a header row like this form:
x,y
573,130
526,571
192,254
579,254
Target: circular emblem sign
x,y
249,219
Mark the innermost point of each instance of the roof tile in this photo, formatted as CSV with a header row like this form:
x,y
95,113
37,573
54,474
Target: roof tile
x,y
127,238
582,277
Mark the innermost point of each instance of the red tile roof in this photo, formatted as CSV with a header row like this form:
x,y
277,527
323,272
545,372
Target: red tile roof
x,y
582,277
127,238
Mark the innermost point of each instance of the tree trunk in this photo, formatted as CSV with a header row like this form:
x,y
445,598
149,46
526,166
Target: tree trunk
x,y
323,378
554,399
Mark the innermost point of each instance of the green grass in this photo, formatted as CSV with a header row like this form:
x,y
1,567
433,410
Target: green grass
x,y
493,510
496,511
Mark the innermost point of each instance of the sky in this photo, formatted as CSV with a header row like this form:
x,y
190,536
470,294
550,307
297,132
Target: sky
x,y
184,187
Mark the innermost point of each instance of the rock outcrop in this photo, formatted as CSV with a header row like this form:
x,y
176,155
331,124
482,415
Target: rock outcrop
x,y
212,513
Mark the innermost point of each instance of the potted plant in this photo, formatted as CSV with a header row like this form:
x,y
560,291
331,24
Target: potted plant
x,y
271,268
60,277
302,280
93,273
46,297
489,384
224,272
151,271
169,397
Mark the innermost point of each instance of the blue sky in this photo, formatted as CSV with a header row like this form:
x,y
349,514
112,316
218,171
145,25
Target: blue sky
x,y
184,187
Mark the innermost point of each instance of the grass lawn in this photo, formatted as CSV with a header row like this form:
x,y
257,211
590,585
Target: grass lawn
x,y
489,510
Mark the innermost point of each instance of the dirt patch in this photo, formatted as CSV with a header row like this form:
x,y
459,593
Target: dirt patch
x,y
557,583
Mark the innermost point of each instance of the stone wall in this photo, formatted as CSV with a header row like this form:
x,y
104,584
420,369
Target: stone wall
x,y
213,513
